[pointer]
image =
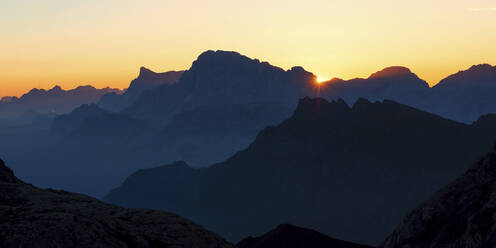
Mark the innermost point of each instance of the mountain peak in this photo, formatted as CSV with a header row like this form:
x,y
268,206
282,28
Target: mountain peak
x,y
481,67
56,88
309,105
6,174
290,236
222,58
392,72
481,74
145,72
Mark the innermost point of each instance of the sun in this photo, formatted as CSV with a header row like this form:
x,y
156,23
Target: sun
x,y
320,79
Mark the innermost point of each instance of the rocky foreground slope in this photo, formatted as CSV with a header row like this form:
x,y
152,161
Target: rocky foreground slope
x,y
463,214
32,217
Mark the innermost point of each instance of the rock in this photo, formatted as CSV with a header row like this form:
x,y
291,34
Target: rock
x,y
460,215
32,217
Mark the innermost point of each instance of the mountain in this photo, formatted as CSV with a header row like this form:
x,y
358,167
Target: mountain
x,y
210,134
351,172
33,217
463,96
459,215
392,83
215,109
146,80
466,95
289,236
55,100
192,120
90,120
222,78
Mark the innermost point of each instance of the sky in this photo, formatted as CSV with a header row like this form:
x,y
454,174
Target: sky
x,y
104,42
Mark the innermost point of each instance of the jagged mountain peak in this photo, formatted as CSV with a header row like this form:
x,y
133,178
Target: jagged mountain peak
x,y
143,71
311,105
88,109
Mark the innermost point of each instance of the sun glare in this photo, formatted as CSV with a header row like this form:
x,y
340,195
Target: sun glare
x,y
320,79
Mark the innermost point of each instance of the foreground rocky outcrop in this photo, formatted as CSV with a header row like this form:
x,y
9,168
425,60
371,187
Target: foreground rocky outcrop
x,y
32,217
289,236
459,215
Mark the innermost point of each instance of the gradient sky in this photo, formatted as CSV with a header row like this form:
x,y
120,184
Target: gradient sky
x,y
103,42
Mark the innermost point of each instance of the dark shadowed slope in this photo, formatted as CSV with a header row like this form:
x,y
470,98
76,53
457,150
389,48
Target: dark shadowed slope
x,y
350,172
32,217
146,80
54,100
459,215
289,236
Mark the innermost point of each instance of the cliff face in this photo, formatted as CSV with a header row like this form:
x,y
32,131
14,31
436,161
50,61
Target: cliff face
x,y
32,217
460,215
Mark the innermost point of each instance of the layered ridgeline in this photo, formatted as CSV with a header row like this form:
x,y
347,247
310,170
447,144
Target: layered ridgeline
x,y
459,215
146,80
55,100
289,236
32,217
351,172
216,109
463,96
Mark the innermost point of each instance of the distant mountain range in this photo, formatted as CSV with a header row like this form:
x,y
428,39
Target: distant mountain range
x,y
459,215
32,217
289,236
146,80
55,100
350,172
205,115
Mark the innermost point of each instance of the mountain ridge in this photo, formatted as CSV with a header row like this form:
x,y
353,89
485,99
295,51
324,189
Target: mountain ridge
x,y
32,217
310,161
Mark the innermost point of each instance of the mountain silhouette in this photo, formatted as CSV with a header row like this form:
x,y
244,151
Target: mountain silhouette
x,y
318,169
459,215
146,80
215,109
465,95
393,83
54,100
289,236
91,121
32,217
220,78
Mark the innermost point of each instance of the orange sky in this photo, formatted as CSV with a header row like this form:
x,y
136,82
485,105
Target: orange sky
x,y
104,42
